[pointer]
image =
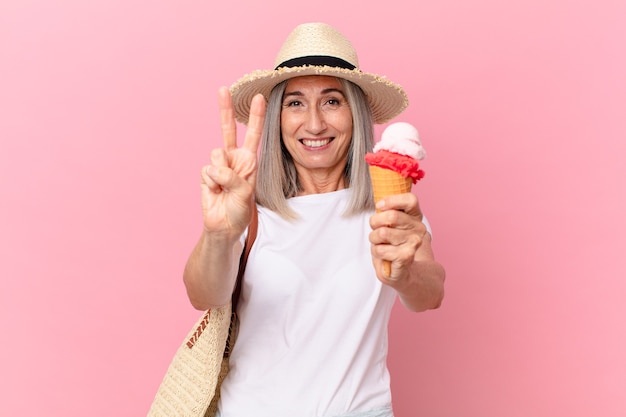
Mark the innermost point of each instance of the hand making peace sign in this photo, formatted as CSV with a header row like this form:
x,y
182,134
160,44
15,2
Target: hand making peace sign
x,y
228,183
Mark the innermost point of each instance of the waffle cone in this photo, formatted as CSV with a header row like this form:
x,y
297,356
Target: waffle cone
x,y
387,182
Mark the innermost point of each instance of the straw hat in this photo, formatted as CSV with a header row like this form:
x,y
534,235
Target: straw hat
x,y
319,49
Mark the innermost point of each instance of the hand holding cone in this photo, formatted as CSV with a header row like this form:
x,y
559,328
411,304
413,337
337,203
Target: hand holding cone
x,y
394,166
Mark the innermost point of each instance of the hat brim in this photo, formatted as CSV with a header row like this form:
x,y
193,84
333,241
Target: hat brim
x,y
386,99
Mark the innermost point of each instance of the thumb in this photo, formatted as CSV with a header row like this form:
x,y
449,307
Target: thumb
x,y
224,177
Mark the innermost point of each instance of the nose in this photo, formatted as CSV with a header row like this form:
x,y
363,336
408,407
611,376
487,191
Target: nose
x,y
315,122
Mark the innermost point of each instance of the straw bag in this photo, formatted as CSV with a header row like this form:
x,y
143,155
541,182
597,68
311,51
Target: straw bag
x,y
190,387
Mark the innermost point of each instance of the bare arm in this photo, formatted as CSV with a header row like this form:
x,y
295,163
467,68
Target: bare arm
x,y
210,272
399,236
227,189
423,287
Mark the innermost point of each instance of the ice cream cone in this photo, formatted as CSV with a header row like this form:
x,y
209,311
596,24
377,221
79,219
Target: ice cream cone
x,y
387,182
393,164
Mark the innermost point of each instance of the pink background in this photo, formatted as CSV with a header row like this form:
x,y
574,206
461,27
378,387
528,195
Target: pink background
x,y
108,110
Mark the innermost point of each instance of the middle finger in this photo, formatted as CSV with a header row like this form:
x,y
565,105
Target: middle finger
x,y
227,118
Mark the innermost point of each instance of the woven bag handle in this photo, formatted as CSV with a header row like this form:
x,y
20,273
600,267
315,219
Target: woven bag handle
x,y
233,330
252,231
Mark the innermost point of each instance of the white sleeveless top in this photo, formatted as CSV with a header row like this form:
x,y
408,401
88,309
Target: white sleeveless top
x,y
313,335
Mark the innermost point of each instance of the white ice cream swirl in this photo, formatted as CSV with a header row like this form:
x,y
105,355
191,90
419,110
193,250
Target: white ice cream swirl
x,y
402,138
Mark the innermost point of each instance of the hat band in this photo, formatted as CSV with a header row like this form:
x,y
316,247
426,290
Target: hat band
x,y
316,60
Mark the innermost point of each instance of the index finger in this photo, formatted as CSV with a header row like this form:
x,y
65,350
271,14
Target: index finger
x,y
255,123
406,202
227,118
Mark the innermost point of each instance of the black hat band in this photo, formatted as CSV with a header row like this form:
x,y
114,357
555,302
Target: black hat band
x,y
316,60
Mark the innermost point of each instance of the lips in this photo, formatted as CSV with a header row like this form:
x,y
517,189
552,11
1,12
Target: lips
x,y
316,143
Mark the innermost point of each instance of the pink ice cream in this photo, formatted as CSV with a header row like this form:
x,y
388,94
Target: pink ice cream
x,y
399,150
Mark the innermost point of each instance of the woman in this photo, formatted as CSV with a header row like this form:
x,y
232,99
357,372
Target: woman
x,y
315,301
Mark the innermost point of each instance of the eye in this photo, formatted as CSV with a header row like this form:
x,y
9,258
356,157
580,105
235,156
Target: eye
x,y
332,103
292,103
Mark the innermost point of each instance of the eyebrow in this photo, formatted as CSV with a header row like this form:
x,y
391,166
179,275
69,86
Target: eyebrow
x,y
325,91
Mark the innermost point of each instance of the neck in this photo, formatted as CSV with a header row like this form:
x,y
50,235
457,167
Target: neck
x,y
317,183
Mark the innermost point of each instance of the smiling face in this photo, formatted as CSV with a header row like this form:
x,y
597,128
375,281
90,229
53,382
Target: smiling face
x,y
316,126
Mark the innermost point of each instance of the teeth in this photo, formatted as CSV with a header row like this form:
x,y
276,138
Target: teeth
x,y
315,143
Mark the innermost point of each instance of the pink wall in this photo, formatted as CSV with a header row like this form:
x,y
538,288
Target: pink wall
x,y
108,110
